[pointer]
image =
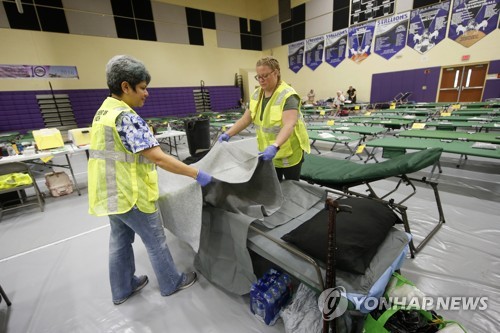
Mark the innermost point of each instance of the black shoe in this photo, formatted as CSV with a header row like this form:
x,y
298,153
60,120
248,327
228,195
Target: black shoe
x,y
143,281
189,279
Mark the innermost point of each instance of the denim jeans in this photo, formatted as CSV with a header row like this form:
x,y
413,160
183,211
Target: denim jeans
x,y
121,254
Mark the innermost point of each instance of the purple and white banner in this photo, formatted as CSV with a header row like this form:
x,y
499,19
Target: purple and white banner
x,y
335,47
296,56
314,51
471,20
37,72
428,27
360,41
390,35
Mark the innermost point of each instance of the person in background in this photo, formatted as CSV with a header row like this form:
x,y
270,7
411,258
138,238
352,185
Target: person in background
x,y
338,102
310,97
275,111
351,94
123,182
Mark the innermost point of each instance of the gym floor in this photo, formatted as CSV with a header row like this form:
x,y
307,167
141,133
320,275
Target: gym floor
x,y
53,265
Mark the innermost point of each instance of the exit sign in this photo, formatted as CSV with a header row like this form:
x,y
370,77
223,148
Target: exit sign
x,y
465,57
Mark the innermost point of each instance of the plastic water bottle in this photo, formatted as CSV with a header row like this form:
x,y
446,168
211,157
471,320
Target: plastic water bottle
x,y
281,285
253,290
269,297
259,309
253,305
20,147
10,150
275,291
169,129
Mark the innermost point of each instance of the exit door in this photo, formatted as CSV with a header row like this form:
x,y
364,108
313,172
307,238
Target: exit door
x,y
462,83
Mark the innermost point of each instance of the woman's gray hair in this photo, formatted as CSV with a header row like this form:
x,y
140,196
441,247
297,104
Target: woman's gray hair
x,y
272,63
125,68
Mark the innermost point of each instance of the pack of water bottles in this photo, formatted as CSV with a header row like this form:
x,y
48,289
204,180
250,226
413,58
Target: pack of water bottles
x,y
269,294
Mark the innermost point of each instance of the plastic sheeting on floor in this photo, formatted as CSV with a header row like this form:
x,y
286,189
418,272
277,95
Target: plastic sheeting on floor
x,y
53,265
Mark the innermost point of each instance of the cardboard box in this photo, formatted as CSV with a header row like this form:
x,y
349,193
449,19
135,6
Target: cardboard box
x,y
48,138
80,136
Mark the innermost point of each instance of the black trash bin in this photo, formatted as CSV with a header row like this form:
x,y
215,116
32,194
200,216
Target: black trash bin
x,y
198,134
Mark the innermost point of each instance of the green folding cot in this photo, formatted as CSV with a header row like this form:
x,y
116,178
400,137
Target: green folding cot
x,y
398,146
449,135
342,175
362,130
329,136
389,123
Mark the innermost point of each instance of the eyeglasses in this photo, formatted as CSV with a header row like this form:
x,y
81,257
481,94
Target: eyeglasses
x,y
263,77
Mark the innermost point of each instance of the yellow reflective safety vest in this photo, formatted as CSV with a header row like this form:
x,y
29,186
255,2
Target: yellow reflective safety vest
x,y
267,129
117,178
16,179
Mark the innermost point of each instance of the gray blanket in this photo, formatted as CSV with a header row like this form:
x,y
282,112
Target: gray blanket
x,y
246,190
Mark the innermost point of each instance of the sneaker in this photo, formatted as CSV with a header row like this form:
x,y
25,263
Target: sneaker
x,y
143,281
189,279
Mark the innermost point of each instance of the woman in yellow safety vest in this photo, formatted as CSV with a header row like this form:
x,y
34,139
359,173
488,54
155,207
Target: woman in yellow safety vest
x,y
275,112
123,182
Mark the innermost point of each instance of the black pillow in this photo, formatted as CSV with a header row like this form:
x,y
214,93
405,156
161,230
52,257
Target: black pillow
x,y
359,234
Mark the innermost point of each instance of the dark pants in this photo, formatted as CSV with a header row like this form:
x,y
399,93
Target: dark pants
x,y
290,173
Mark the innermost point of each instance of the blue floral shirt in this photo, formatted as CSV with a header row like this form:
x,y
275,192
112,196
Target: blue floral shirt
x,y
134,132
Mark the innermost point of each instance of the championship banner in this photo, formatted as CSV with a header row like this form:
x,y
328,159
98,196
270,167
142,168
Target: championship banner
x,y
428,27
314,52
335,46
471,20
38,72
360,41
390,35
296,56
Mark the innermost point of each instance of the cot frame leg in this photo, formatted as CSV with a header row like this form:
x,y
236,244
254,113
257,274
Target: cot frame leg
x,y
461,161
371,155
438,165
4,296
441,218
312,145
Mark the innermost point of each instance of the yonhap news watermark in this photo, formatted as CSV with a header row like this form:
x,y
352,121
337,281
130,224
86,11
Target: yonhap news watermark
x,y
333,303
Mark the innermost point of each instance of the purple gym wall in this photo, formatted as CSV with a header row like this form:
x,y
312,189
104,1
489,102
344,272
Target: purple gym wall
x,y
19,109
492,86
385,86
